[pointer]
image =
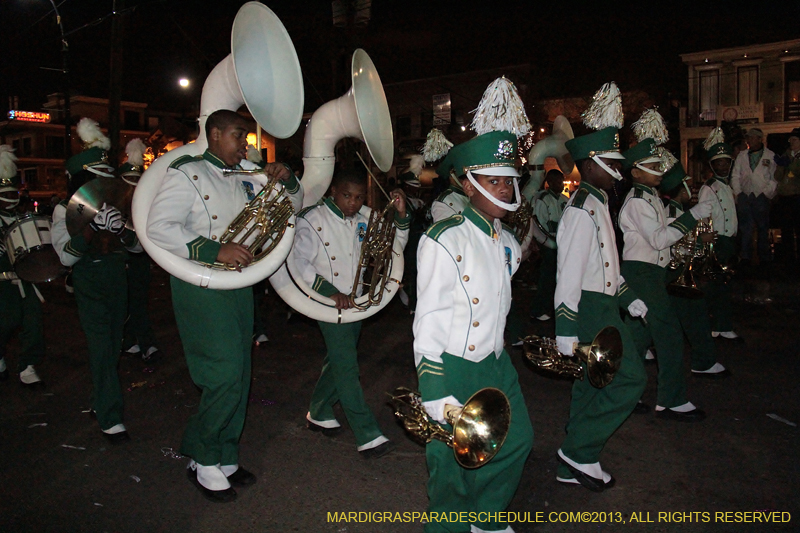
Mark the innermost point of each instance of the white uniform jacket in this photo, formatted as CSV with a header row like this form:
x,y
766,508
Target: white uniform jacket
x,y
757,182
723,208
327,245
70,250
548,208
451,202
587,257
464,264
197,203
643,221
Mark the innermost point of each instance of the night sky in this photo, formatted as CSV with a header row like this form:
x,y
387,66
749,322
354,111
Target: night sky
x,y
573,48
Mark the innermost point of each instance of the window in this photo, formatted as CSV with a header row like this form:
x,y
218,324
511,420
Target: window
x,y
792,75
404,126
709,94
25,149
54,147
747,85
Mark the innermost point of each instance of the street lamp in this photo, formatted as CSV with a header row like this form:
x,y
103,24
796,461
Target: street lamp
x,y
183,82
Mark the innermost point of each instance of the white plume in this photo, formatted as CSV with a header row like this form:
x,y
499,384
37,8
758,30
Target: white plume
x,y
91,135
415,164
135,150
606,108
501,109
651,126
254,155
715,136
436,146
8,167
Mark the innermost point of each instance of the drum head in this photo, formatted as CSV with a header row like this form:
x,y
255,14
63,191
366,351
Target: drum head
x,y
40,265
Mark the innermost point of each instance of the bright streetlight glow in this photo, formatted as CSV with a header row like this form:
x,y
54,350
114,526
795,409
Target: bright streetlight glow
x,y
183,82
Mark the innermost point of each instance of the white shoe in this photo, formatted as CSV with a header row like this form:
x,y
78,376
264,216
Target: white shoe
x,y
725,334
260,339
716,369
543,318
29,376
133,349
518,343
649,356
113,430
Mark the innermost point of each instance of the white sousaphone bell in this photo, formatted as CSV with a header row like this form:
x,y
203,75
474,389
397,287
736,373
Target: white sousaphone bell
x,y
362,113
263,73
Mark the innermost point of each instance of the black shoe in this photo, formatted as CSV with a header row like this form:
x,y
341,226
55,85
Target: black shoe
x,y
117,438
328,432
695,415
377,451
716,375
242,478
591,483
216,496
641,408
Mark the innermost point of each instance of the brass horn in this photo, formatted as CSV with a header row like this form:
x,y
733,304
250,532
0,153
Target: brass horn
x,y
376,259
263,221
602,356
479,430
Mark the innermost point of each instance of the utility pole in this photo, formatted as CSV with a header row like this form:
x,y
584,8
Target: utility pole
x,y
115,84
65,89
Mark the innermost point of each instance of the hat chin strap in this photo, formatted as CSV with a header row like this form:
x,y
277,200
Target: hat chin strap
x,y
614,173
10,203
686,186
499,203
643,168
95,170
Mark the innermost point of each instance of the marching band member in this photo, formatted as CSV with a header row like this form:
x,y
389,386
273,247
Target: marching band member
x,y
327,249
465,265
718,191
97,256
645,256
589,293
692,312
452,200
548,208
139,337
20,305
196,203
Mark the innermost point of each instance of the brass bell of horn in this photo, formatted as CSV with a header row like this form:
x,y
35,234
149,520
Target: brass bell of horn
x,y
602,356
480,426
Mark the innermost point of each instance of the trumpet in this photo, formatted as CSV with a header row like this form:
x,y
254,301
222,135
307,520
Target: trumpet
x,y
602,356
480,426
260,226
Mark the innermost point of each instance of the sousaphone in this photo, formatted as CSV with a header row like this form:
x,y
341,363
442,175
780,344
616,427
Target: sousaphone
x,y
263,73
361,113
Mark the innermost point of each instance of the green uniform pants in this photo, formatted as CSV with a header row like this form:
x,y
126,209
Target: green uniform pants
x,y
101,292
215,328
663,329
718,294
693,316
26,313
546,288
339,382
138,329
595,414
490,488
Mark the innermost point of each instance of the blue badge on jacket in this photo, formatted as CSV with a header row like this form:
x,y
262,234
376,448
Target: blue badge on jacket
x,y
362,231
508,259
249,190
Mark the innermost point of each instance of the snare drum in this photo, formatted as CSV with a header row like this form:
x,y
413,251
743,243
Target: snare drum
x,y
30,250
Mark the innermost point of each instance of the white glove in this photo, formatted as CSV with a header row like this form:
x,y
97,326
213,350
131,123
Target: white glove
x,y
435,408
701,210
637,309
115,223
566,345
